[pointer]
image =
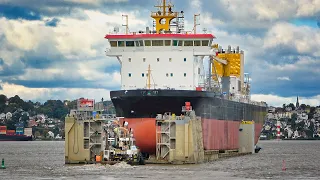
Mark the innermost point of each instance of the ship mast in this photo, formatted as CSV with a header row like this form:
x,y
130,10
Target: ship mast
x,y
126,25
195,23
149,75
163,19
164,6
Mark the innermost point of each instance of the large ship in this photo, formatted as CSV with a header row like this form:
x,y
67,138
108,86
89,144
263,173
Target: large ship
x,y
20,134
163,68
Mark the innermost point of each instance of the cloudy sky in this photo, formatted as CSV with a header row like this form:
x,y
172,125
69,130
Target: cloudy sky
x,y
55,49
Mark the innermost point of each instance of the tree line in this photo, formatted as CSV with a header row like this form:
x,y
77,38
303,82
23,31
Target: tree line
x,y
52,108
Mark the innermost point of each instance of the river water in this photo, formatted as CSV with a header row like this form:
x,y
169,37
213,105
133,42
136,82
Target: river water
x,y
45,160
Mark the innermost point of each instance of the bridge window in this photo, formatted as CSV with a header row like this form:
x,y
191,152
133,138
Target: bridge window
x,y
158,59
129,74
171,74
147,43
157,42
167,75
142,74
144,59
120,43
197,43
175,42
141,42
129,59
205,43
170,59
113,43
188,43
185,74
184,59
167,42
129,43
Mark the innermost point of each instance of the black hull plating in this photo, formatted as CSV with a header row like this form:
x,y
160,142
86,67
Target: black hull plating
x,y
149,103
4,137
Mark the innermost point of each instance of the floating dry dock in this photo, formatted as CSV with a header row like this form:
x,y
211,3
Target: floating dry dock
x,y
180,140
93,137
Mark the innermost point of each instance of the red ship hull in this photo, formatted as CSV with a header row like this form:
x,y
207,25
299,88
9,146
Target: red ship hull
x,y
217,134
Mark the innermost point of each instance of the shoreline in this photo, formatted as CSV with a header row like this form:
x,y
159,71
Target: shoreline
x,y
305,139
48,140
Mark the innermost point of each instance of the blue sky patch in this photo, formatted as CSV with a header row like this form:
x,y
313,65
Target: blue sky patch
x,y
53,22
16,12
305,22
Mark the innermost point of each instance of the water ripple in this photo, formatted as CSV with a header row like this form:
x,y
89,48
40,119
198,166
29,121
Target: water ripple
x,y
45,160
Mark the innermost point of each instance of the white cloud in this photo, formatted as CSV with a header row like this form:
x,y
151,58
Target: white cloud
x,y
196,5
278,101
284,78
258,14
308,7
85,2
43,94
74,38
25,35
302,39
303,63
90,32
80,42
95,2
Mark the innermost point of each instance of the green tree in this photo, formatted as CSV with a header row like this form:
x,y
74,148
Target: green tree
x,y
300,126
25,119
45,133
16,100
309,133
312,109
37,134
3,99
293,121
56,130
303,106
292,106
11,125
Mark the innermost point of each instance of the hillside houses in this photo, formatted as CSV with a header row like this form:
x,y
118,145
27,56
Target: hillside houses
x,y
296,122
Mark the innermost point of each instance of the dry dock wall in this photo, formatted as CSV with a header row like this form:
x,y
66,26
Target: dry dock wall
x,y
247,138
74,143
189,143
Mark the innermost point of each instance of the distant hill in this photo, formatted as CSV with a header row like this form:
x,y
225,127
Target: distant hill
x,y
52,108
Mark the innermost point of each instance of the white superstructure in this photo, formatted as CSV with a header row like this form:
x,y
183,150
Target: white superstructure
x,y
176,60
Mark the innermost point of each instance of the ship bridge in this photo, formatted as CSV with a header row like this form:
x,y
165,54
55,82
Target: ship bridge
x,y
168,57
175,60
